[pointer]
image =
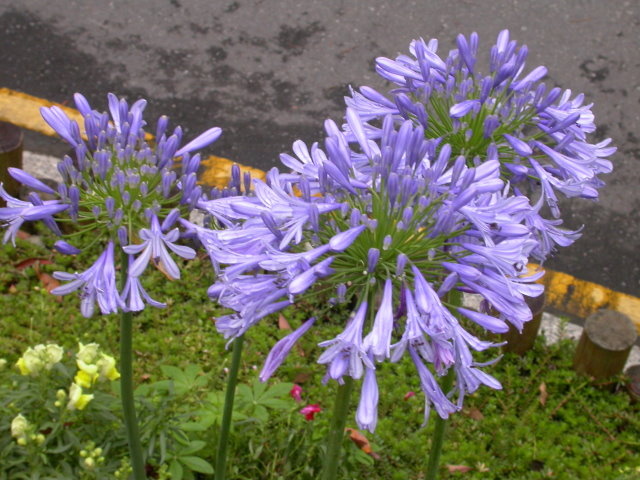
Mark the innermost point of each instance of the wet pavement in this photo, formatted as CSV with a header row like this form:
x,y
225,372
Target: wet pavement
x,y
270,72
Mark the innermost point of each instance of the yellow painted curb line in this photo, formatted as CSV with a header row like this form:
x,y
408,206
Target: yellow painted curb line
x,y
581,298
23,110
564,292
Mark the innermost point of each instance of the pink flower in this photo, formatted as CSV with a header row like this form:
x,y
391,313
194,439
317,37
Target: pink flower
x,y
408,395
310,411
295,393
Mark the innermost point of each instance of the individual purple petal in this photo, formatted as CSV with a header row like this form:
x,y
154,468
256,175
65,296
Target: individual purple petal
x,y
282,348
518,145
367,413
492,324
201,141
30,181
66,248
343,240
378,341
461,109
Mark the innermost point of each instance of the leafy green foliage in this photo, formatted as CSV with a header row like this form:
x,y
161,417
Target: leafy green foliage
x,y
580,430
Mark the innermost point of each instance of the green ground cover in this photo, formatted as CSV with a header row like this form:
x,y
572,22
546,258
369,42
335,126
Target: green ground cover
x,y
547,422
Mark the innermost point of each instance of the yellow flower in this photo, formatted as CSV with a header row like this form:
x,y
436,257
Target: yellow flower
x,y
88,353
41,357
19,427
86,378
77,400
107,367
52,355
31,361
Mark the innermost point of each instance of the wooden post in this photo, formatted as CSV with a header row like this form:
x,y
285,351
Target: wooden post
x,y
11,138
521,343
633,382
605,344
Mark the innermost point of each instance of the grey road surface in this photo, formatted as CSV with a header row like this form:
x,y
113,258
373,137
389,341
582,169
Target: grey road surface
x,y
269,72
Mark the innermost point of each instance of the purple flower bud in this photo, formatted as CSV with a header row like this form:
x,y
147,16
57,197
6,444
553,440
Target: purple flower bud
x,y
74,196
354,218
66,248
518,145
247,183
393,187
126,197
341,290
461,109
96,210
110,204
343,240
386,242
119,215
551,97
170,219
167,181
163,122
401,264
367,413
372,259
62,191
200,141
492,324
123,236
30,181
490,125
281,349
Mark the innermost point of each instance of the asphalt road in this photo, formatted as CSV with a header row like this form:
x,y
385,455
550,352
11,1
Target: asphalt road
x,y
270,72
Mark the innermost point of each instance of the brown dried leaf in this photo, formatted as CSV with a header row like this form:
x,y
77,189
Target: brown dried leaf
x,y
458,468
32,261
282,323
474,413
49,283
361,442
543,394
22,235
160,266
302,377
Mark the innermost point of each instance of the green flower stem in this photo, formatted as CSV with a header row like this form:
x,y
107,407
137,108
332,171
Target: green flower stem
x,y
126,389
438,434
454,299
221,458
336,430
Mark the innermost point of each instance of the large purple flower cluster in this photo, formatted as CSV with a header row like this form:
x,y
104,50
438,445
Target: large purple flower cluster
x,y
538,134
120,188
435,190
391,226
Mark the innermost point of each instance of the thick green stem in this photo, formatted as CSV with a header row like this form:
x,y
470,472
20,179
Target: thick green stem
x,y
438,434
336,430
126,389
221,458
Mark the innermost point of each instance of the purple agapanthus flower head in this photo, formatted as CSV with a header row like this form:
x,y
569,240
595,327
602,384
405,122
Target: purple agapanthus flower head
x,y
124,190
489,107
388,224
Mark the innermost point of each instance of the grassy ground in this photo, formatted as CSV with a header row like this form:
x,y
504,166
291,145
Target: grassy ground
x,y
545,423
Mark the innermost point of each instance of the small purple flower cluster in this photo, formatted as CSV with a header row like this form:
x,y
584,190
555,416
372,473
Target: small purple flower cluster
x,y
417,198
120,188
